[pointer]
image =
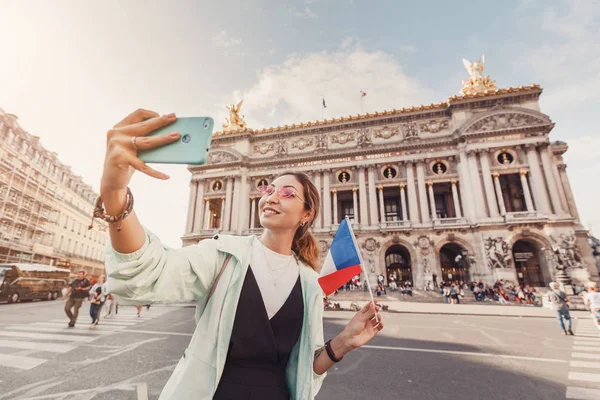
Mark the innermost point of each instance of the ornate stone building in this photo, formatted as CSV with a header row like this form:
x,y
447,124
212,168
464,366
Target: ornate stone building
x,y
45,208
470,188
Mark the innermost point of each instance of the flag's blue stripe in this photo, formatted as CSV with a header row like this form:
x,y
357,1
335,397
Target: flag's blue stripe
x,y
342,248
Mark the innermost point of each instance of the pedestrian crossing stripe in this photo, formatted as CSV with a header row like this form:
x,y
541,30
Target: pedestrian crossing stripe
x,y
55,337
585,364
586,347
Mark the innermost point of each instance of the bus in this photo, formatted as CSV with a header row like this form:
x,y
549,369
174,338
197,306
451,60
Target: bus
x,y
32,281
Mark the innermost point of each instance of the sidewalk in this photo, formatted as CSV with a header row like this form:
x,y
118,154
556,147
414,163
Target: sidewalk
x,y
465,309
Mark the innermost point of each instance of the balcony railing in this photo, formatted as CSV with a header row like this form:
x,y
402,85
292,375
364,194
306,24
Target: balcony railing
x,y
395,224
449,221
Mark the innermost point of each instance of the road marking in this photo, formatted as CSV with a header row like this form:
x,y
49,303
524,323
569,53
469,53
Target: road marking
x,y
157,332
584,355
20,362
585,364
582,393
102,322
584,376
142,391
466,353
65,331
586,342
77,328
51,347
48,336
586,348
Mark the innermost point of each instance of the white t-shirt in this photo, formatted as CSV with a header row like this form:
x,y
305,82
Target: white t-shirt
x,y
593,298
276,284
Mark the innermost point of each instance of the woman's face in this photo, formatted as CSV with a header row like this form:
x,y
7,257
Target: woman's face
x,y
277,213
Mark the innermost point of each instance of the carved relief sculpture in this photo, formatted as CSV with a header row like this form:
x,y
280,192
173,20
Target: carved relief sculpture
x,y
386,132
567,253
302,143
281,147
342,138
423,243
363,137
264,148
434,126
215,157
505,121
498,253
476,83
410,130
371,245
321,142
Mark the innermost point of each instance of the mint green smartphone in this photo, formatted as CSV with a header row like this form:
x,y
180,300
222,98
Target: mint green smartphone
x,y
191,148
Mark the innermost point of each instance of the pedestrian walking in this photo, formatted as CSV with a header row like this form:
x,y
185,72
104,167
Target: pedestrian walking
x,y
434,278
560,305
259,316
592,299
77,292
111,306
98,295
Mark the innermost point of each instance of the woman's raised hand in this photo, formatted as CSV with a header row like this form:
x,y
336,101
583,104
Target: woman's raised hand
x,y
122,143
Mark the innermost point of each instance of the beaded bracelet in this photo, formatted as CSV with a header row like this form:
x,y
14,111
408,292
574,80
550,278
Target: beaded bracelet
x,y
112,219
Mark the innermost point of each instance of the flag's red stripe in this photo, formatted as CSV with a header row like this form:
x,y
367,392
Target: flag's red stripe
x,y
332,282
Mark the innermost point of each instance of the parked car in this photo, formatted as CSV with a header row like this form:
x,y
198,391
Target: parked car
x,y
31,281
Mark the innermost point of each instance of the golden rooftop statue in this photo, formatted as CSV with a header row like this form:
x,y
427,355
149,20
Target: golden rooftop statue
x,y
235,121
476,83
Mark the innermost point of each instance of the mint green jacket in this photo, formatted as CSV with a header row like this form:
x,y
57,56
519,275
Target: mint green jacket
x,y
157,274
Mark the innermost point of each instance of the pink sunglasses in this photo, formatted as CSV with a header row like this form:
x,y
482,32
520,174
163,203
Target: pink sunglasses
x,y
283,193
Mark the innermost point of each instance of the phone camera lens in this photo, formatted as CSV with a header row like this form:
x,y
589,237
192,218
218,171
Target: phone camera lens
x,y
206,124
186,138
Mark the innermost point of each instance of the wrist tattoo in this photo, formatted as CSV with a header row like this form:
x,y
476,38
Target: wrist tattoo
x,y
319,351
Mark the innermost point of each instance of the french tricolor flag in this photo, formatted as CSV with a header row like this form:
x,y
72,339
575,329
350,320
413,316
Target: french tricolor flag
x,y
342,262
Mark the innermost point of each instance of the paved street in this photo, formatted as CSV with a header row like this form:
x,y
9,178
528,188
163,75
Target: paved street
x,y
416,357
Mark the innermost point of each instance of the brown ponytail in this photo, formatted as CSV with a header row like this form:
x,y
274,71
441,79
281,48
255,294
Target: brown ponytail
x,y
304,244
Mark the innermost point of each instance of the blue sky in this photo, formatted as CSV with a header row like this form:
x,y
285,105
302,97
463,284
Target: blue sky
x,y
71,69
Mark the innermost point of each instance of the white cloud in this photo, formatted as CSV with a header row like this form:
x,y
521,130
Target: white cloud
x,y
222,39
291,92
568,60
306,13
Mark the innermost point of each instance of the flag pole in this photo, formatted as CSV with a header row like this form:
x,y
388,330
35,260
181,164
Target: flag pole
x,y
362,110
362,263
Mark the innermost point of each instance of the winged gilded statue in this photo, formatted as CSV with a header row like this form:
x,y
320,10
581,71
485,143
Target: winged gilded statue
x,y
235,120
476,83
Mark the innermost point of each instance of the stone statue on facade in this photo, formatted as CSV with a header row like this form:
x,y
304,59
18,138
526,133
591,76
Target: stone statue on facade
x,y
363,137
477,83
321,142
371,245
567,253
498,253
281,147
235,120
410,130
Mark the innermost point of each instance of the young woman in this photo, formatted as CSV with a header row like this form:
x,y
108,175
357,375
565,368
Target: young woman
x,y
259,328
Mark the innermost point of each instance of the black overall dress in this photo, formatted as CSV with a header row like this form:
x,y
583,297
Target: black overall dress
x,y
260,348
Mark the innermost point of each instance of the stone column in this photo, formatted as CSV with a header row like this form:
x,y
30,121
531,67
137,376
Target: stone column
x,y
568,192
223,216
372,196
422,191
403,202
207,214
431,201
561,189
381,206
456,200
326,201
540,195
235,205
243,204
318,223
413,207
189,225
528,201
484,158
465,185
476,185
499,194
199,215
355,205
335,209
362,192
253,213
552,187
226,210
